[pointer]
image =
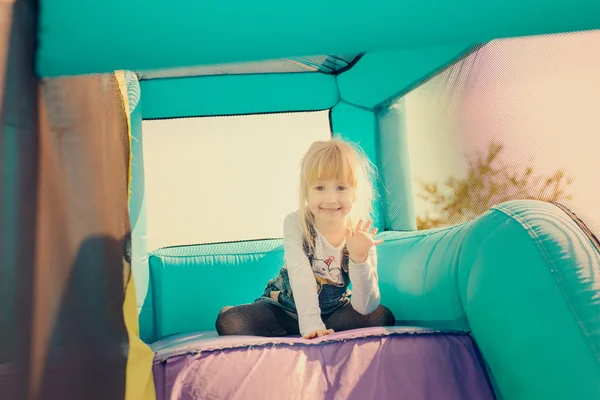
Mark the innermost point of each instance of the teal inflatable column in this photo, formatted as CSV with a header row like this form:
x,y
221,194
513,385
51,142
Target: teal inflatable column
x,y
137,211
376,82
358,125
395,166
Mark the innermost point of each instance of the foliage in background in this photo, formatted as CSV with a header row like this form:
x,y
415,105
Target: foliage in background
x,y
489,181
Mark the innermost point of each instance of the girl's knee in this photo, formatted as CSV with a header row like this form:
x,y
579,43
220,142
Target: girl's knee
x,y
384,316
231,322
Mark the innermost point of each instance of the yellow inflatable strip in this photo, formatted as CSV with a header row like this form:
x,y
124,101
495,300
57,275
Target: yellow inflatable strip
x,y
139,383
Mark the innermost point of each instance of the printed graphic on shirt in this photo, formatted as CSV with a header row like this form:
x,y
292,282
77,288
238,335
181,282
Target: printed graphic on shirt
x,y
328,271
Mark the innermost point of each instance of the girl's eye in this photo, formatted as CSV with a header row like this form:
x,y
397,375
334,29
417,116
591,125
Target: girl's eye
x,y
319,188
341,188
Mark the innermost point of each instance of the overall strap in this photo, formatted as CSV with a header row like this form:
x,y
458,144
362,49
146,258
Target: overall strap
x,y
305,245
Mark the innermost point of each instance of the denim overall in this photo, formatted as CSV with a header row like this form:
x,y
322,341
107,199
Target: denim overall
x,y
331,297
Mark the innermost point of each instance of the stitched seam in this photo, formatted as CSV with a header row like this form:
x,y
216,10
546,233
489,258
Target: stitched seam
x,y
424,233
163,257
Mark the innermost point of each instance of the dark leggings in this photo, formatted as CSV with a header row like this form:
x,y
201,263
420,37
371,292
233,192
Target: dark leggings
x,y
264,319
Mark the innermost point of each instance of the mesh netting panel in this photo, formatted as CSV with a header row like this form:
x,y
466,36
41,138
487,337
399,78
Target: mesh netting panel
x,y
516,119
219,179
327,64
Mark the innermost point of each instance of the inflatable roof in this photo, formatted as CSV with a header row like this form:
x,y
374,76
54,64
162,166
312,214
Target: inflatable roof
x,y
81,37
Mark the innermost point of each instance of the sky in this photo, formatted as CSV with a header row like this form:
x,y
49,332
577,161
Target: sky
x,y
234,178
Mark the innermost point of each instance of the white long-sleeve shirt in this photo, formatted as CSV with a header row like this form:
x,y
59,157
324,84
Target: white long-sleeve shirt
x,y
326,266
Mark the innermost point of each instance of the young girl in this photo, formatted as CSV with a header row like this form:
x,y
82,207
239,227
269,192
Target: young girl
x,y
323,253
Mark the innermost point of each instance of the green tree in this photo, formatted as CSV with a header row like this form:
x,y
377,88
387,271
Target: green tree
x,y
489,181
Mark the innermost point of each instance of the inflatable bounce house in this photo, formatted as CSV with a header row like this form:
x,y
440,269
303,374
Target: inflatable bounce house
x,y
103,297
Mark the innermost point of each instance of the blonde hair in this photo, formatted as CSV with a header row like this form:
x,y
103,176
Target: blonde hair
x,y
336,159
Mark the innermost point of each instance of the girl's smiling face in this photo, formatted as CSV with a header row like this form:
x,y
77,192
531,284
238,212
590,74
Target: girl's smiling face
x,y
330,200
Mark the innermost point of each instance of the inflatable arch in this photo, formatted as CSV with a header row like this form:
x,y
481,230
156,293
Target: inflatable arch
x,y
503,306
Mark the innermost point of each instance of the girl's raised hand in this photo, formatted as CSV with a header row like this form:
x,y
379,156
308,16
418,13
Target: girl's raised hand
x,y
360,240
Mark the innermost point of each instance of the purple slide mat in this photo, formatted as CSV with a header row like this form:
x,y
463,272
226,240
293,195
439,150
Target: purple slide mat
x,y
371,363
